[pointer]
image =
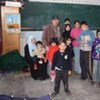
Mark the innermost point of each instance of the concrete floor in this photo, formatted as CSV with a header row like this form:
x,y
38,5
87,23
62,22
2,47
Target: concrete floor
x,y
24,85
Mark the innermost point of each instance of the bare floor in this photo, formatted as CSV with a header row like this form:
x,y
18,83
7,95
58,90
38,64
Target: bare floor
x,y
24,85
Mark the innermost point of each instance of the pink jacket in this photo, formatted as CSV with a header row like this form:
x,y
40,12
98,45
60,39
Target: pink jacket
x,y
75,34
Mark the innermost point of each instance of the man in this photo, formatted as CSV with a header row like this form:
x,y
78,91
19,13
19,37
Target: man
x,y
51,30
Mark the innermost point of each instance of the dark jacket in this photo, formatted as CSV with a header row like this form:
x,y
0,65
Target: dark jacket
x,y
96,49
66,34
62,60
70,47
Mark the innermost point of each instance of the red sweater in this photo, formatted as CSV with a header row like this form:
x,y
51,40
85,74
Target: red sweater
x,y
50,52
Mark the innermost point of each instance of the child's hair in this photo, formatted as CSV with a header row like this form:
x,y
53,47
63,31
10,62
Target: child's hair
x,y
54,40
84,23
98,30
62,41
69,38
39,42
67,19
77,21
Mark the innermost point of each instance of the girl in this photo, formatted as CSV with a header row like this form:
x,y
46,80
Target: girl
x,y
75,32
67,30
96,59
29,48
52,48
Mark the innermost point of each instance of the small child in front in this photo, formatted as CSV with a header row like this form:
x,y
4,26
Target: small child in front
x,y
61,64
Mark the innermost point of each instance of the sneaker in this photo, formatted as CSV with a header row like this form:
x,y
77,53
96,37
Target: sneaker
x,y
68,92
52,80
83,78
92,82
54,94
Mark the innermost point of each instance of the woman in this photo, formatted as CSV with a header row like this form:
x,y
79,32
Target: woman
x,y
29,48
75,32
66,33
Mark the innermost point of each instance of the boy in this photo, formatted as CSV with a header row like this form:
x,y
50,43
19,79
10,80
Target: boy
x,y
61,64
85,42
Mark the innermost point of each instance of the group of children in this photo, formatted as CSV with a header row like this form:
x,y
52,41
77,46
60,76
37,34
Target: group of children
x,y
86,46
78,43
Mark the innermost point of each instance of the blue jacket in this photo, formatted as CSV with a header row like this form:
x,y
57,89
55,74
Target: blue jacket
x,y
88,36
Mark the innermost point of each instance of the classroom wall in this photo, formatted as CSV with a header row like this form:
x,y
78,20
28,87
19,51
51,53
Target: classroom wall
x,y
90,2
38,14
24,38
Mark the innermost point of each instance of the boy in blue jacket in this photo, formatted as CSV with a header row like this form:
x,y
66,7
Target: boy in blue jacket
x,y
85,43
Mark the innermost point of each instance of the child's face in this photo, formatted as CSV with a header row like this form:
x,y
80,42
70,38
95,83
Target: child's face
x,y
68,41
62,46
53,44
84,27
67,28
39,46
67,22
77,25
98,35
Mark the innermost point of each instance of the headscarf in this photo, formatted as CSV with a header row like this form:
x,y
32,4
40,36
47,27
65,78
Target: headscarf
x,y
31,46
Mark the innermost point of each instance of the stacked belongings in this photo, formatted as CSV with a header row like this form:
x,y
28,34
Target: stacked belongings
x,y
12,61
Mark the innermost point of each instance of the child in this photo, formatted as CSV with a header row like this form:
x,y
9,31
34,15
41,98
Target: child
x,y
40,50
70,47
61,64
52,48
85,42
75,32
66,33
96,59
39,55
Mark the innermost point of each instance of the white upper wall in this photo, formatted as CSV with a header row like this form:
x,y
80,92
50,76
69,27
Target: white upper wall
x,y
89,2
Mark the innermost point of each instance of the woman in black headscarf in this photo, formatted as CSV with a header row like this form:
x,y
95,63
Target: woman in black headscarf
x,y
66,33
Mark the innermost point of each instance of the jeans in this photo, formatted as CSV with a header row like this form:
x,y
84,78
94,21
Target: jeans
x,y
77,67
